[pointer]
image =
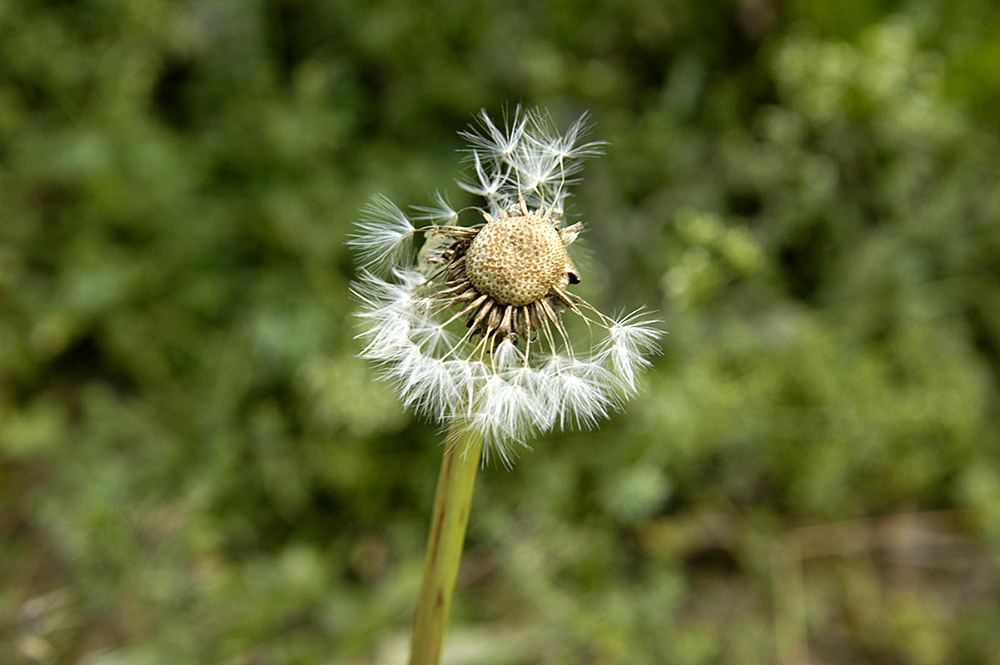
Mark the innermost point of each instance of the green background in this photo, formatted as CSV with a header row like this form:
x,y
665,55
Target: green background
x,y
196,468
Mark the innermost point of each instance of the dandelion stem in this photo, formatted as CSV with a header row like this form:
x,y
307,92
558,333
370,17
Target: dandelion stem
x,y
452,503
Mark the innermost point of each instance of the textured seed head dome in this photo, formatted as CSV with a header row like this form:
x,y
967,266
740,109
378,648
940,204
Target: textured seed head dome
x,y
517,260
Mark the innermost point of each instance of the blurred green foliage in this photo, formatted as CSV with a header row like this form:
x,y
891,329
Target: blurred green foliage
x,y
195,468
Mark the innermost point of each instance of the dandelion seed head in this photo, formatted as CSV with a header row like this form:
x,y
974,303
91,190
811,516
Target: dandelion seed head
x,y
470,329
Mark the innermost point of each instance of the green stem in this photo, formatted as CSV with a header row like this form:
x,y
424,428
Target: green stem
x,y
452,503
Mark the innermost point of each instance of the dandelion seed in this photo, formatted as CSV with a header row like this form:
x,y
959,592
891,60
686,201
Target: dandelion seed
x,y
440,213
472,330
500,144
384,235
630,340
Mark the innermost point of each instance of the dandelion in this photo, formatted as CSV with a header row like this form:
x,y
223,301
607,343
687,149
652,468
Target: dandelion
x,y
478,328
513,370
